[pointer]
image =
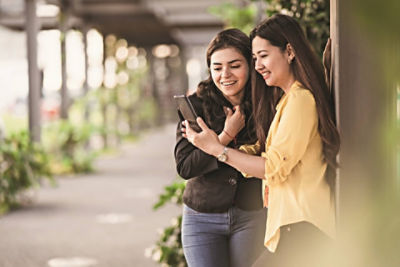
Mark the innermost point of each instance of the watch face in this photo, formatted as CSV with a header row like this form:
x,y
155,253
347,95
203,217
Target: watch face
x,y
222,157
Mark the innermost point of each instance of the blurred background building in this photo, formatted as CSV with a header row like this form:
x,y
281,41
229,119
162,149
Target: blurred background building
x,y
168,37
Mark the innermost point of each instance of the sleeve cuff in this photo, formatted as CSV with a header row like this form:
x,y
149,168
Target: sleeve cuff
x,y
275,163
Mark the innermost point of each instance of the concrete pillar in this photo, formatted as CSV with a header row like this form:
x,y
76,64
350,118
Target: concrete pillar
x,y
104,100
154,83
64,89
32,28
366,115
334,76
85,84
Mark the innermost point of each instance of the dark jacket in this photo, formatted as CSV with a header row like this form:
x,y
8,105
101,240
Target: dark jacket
x,y
212,186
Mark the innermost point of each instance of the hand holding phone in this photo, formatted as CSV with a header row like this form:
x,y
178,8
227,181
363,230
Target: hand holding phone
x,y
185,108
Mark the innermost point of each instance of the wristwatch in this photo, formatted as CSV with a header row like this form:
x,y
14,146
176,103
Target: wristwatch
x,y
224,155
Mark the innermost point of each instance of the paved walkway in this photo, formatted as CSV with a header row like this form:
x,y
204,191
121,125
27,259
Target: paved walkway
x,y
106,216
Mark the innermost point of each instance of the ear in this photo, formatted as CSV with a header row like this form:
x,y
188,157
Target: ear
x,y
290,53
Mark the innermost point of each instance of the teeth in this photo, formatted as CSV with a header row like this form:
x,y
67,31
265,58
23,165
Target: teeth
x,y
227,83
265,73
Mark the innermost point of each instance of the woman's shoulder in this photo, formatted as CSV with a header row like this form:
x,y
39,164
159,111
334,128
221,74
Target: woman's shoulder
x,y
301,94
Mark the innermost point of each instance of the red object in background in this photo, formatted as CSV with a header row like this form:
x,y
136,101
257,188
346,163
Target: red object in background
x,y
50,112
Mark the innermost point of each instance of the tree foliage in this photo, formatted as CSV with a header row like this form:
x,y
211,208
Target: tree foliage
x,y
236,17
313,16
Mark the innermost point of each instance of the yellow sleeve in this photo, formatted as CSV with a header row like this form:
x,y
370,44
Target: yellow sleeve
x,y
298,124
253,149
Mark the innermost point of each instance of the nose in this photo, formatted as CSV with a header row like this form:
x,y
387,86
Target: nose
x,y
226,72
257,65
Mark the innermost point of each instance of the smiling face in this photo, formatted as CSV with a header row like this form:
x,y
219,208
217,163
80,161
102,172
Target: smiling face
x,y
272,63
230,72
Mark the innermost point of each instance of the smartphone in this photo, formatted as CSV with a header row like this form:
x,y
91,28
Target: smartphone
x,y
186,110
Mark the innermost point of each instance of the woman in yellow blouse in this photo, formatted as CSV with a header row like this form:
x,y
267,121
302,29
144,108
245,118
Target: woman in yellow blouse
x,y
297,143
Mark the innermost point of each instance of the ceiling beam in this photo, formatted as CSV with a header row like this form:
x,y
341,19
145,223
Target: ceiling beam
x,y
109,8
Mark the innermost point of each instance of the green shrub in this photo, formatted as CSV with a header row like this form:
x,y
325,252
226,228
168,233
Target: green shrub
x,y
22,166
168,249
69,146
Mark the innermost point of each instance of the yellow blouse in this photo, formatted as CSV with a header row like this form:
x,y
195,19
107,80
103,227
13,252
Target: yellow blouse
x,y
295,168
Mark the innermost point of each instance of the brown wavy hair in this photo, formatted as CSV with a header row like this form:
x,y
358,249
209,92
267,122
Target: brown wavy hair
x,y
213,100
307,68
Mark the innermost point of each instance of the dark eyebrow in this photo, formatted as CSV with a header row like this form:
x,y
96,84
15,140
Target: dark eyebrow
x,y
261,51
230,62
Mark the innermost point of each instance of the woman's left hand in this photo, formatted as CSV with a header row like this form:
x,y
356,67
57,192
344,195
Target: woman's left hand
x,y
206,140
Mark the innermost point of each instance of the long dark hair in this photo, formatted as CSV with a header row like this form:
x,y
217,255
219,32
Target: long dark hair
x,y
213,99
281,30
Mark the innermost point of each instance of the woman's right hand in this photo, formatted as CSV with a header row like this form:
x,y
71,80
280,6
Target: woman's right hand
x,y
234,122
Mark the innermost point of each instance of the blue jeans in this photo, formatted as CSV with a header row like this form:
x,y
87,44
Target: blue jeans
x,y
230,239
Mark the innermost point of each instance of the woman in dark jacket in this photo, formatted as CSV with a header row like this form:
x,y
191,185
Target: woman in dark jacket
x,y
223,218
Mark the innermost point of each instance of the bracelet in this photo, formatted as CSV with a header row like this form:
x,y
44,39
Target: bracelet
x,y
233,138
